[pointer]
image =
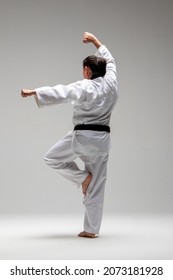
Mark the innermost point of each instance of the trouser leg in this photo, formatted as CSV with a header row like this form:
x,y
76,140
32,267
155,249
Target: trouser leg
x,y
61,157
94,198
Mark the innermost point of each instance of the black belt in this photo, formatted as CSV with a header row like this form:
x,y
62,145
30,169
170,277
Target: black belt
x,y
95,127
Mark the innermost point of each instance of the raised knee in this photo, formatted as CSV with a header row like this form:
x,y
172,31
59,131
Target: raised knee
x,y
48,160
53,163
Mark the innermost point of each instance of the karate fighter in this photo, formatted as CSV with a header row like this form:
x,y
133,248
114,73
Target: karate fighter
x,y
93,100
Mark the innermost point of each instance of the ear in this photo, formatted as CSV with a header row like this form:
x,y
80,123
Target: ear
x,y
89,72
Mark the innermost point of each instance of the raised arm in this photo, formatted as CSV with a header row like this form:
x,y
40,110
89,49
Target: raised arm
x,y
103,52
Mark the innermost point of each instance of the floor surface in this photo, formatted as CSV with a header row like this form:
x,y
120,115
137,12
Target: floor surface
x,y
124,237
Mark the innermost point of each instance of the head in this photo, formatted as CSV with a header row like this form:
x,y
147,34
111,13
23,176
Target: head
x,y
94,67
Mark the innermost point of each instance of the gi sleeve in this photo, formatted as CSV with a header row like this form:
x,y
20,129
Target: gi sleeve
x,y
46,96
111,72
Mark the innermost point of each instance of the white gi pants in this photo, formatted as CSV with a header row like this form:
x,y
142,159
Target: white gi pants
x,y
92,147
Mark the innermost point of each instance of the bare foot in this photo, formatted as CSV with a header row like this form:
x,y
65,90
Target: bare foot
x,y
86,183
87,234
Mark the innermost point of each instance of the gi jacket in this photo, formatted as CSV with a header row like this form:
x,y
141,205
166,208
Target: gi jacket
x,y
93,100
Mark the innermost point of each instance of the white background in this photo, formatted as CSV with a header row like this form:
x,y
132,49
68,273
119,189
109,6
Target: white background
x,y
41,44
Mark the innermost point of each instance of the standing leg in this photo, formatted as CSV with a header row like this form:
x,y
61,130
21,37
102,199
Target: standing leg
x,y
94,197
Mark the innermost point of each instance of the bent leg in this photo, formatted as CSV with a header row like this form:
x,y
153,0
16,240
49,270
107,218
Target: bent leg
x,y
61,158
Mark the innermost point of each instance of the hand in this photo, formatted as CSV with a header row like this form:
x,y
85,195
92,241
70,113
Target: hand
x,y
90,38
27,92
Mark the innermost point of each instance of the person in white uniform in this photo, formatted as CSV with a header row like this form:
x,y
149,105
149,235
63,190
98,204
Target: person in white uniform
x,y
93,100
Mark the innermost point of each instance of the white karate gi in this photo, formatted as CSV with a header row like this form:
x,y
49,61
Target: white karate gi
x,y
93,102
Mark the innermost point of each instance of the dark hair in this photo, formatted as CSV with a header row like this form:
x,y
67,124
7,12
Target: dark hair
x,y
97,65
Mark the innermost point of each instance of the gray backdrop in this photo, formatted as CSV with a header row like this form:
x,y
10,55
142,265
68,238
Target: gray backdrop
x,y
41,44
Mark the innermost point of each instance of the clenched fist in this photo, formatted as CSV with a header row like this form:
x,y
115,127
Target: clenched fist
x,y
90,38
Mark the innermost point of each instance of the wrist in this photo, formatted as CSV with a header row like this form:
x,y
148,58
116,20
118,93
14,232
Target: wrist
x,y
96,43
